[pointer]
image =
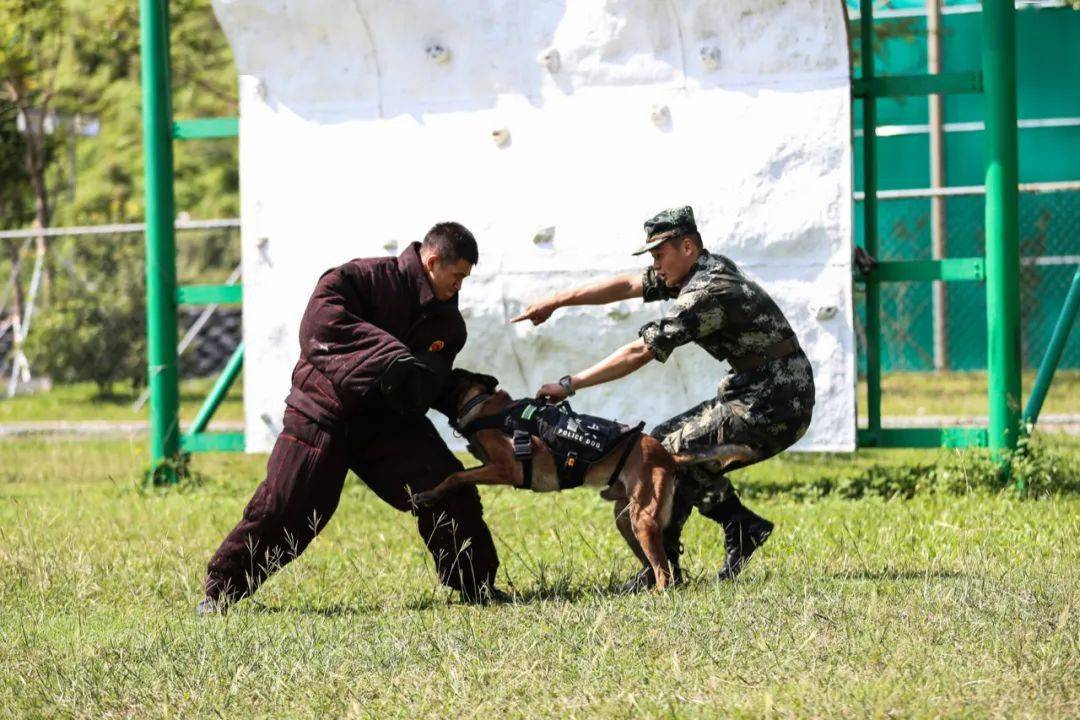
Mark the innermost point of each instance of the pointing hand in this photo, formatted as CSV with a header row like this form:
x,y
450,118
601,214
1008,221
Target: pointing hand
x,y
538,312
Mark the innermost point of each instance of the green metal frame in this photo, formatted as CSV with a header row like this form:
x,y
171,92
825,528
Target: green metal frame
x,y
162,294
908,85
1053,352
209,295
206,128
1000,269
163,375
949,270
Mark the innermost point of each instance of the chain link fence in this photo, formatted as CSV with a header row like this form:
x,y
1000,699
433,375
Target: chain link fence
x,y
1050,252
103,260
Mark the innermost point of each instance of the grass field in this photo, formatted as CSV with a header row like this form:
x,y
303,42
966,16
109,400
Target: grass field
x,y
934,605
81,402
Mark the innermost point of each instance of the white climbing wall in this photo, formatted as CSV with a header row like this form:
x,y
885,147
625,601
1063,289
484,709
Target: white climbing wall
x,y
552,130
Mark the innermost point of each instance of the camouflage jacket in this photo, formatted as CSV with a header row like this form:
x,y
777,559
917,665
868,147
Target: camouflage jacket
x,y
728,315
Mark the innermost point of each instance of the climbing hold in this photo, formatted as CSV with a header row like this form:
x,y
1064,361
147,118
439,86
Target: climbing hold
x,y
501,137
823,310
710,57
551,60
390,246
544,236
437,53
661,116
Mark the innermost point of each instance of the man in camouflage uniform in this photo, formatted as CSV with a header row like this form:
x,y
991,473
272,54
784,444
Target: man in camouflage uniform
x,y
763,405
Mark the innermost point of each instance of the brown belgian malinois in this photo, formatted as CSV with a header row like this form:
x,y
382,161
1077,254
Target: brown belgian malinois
x,y
638,471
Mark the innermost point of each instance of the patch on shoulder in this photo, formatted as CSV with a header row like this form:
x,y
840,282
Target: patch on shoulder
x,y
436,346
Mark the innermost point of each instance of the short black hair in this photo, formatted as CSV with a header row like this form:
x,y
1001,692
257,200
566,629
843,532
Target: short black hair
x,y
695,236
452,242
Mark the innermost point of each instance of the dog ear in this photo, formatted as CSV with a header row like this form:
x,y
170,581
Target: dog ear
x,y
462,378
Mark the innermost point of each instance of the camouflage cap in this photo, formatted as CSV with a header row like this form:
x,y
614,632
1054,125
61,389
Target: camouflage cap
x,y
667,224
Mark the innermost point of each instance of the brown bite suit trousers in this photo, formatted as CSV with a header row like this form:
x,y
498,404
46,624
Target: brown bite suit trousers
x,y
305,475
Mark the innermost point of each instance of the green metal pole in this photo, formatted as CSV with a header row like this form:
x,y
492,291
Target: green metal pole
x,y
160,236
870,220
1002,224
220,389
1053,352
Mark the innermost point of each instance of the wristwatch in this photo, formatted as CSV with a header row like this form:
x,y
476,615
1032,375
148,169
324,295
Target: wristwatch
x,y
567,385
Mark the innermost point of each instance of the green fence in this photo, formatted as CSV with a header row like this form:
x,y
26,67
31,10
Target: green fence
x,y
1050,253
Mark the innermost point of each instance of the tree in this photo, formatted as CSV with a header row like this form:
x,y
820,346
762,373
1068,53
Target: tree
x,y
29,68
95,327
16,203
30,61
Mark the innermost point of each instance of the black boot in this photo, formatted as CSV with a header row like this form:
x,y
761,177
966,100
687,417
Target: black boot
x,y
744,532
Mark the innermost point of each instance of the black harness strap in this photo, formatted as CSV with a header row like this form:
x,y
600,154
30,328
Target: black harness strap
x,y
521,439
633,435
468,407
523,452
577,442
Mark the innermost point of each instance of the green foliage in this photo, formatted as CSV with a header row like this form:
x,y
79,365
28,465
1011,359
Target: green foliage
x,y
173,473
95,327
104,82
1040,468
16,201
81,59
32,52
82,56
33,42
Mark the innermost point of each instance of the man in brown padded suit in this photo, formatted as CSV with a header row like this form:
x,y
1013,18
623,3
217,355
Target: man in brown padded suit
x,y
378,337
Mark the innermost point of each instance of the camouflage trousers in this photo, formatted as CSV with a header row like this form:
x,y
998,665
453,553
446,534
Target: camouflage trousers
x,y
721,434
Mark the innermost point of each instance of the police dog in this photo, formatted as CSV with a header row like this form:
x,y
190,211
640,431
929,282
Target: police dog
x,y
638,471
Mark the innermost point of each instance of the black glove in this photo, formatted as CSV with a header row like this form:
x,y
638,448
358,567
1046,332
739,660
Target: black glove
x,y
410,385
864,262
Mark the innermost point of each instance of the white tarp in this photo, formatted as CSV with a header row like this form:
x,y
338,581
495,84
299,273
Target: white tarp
x,y
364,122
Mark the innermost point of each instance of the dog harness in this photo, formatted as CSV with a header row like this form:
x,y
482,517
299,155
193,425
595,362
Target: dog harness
x,y
577,442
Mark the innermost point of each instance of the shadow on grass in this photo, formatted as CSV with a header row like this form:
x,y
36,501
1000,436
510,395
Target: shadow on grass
x,y
894,574
563,593
566,594
328,611
439,599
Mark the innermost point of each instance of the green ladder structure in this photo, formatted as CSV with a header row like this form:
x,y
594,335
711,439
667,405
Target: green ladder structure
x,y
163,296
999,269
